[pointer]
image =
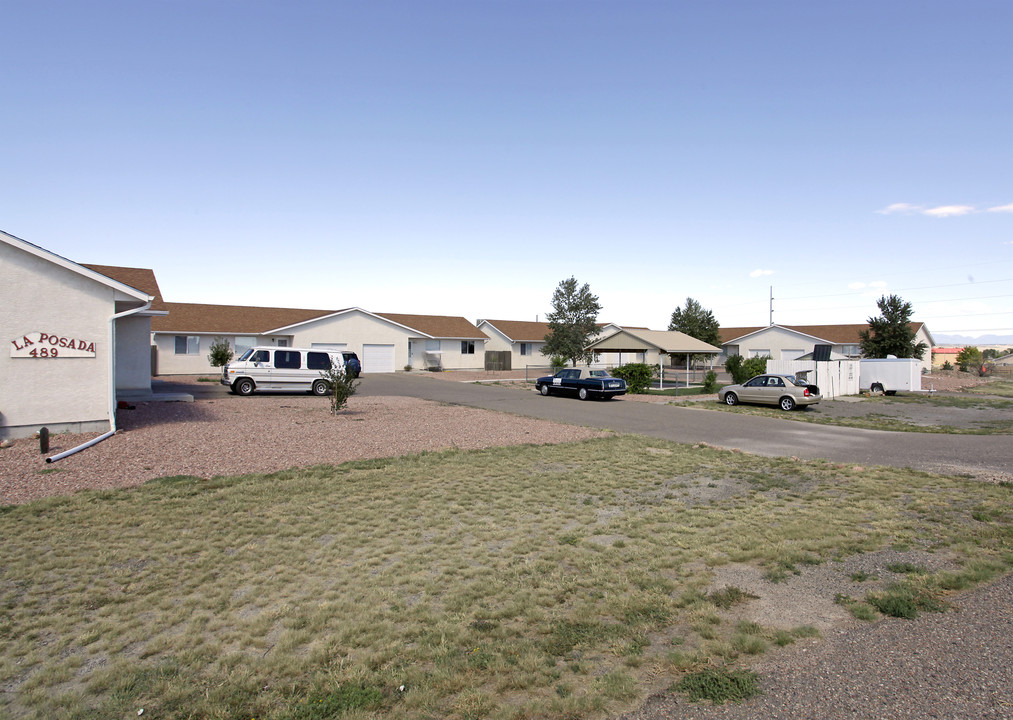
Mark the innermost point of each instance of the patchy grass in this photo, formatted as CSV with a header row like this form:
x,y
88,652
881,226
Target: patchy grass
x,y
562,581
876,421
1001,388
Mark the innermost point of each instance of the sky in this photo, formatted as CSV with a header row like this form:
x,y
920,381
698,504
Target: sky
x,y
463,158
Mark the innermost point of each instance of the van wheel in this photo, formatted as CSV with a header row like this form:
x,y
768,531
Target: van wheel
x,y
243,387
320,387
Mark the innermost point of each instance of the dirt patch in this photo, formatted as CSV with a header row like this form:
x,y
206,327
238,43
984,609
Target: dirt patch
x,y
809,597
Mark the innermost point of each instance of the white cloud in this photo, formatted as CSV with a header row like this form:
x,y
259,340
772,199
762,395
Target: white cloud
x,y
760,273
1002,208
949,210
902,208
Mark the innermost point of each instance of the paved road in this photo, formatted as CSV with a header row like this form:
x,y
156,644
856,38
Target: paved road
x,y
975,454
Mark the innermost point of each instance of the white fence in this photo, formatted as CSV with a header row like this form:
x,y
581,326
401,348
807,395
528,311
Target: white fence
x,y
834,378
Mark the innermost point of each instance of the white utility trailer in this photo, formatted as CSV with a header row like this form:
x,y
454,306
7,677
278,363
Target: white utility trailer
x,y
890,375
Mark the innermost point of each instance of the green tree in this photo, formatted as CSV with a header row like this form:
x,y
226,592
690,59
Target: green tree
x,y
970,359
696,322
572,322
341,385
742,369
891,332
638,376
221,353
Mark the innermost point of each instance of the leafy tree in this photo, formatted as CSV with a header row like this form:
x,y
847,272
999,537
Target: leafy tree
x,y
696,322
742,369
221,353
638,376
572,322
970,358
891,333
341,385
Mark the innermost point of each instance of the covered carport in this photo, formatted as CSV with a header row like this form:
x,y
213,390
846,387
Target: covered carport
x,y
655,345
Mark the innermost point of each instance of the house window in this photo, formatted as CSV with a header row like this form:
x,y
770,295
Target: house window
x,y
283,342
244,343
525,348
467,347
432,345
850,350
187,345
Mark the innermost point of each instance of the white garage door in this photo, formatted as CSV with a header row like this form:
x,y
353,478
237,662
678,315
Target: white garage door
x,y
377,358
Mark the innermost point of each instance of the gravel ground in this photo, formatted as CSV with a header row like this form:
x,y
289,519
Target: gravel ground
x,y
954,665
259,434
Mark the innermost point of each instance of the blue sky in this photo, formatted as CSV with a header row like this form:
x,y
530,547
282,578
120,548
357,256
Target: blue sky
x,y
462,158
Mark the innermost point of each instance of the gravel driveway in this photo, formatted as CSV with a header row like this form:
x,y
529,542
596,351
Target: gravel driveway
x,y
231,435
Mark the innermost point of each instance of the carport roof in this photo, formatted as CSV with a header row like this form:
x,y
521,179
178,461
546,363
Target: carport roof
x,y
664,341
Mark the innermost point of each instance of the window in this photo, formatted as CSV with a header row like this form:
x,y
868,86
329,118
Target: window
x,y
432,345
261,356
525,348
244,343
467,347
187,345
318,361
283,342
286,359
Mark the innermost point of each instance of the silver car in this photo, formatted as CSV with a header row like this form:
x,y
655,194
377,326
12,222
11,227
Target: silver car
x,y
785,391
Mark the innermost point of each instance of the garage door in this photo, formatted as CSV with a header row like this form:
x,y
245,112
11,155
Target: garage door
x,y
377,358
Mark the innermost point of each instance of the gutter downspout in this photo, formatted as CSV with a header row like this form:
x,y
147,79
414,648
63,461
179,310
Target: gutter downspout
x,y
112,385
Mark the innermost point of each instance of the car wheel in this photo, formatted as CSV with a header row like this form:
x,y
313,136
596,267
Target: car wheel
x,y
543,389
243,387
582,394
876,389
787,404
731,399
320,387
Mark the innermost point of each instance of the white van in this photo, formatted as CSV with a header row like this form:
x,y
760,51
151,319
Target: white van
x,y
281,368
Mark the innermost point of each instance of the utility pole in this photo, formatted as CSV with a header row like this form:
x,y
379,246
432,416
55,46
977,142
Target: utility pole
x,y
771,304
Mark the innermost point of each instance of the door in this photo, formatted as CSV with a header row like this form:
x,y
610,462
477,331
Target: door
x,y
377,359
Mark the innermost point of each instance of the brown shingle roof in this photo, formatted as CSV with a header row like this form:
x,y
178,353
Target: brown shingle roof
x,y
437,326
141,279
522,330
836,334
232,319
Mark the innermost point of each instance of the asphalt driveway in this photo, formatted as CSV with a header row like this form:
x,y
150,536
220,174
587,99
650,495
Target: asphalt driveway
x,y
979,455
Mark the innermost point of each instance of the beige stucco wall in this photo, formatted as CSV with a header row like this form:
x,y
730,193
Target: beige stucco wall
x,y
133,353
498,342
63,393
169,363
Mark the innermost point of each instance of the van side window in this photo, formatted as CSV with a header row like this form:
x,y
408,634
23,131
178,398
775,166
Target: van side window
x,y
318,361
261,356
286,359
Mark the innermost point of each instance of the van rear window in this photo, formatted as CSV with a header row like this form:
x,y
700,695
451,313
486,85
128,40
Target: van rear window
x,y
318,361
286,359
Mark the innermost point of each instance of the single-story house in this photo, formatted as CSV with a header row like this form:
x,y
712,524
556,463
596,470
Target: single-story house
x,y
789,342
384,342
76,337
524,340
653,347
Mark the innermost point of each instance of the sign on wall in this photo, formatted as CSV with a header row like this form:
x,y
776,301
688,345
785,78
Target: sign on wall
x,y
51,345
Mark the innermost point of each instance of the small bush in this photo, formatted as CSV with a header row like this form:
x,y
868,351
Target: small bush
x,y
728,596
638,376
895,606
719,685
742,369
221,353
558,362
710,382
341,386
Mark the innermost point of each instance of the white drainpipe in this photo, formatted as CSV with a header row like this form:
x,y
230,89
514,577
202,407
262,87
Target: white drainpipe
x,y
112,386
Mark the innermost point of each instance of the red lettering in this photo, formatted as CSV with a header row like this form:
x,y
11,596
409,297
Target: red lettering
x,y
16,346
53,340
43,337
70,345
90,348
26,341
63,342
